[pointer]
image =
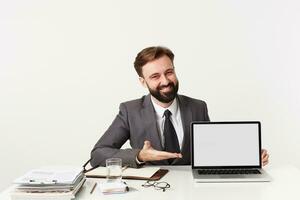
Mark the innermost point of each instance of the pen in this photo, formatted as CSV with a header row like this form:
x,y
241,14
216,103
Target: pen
x,y
93,188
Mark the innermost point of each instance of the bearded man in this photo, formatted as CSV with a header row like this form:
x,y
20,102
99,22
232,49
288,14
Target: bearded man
x,y
158,124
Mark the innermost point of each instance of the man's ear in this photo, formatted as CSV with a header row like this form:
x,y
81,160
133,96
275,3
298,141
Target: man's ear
x,y
143,82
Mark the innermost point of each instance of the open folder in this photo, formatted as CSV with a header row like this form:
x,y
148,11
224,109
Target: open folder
x,y
144,173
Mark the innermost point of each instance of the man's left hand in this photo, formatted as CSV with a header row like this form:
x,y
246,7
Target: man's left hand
x,y
264,157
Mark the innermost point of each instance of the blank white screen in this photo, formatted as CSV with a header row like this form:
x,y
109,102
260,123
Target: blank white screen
x,y
226,145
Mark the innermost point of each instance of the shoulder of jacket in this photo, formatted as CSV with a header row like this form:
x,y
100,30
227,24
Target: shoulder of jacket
x,y
134,103
191,100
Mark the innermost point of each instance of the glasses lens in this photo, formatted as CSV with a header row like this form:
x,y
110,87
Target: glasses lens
x,y
162,185
149,184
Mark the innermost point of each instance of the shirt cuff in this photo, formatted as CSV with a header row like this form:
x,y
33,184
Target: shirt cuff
x,y
139,162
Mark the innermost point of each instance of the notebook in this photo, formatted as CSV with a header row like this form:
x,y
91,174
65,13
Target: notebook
x,y
227,152
144,173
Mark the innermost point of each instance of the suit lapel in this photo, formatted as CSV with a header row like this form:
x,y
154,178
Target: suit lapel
x,y
186,118
148,113
150,124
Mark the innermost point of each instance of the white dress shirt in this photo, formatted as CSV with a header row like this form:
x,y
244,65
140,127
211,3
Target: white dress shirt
x,y
175,119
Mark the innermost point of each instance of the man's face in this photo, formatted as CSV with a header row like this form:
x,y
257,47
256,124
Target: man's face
x,y
160,79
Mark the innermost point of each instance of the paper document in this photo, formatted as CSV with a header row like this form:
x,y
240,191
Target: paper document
x,y
50,175
114,187
59,195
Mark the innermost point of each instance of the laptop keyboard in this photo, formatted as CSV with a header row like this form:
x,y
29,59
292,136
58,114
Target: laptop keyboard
x,y
228,171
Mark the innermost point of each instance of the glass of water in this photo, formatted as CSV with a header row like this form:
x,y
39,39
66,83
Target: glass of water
x,y
114,170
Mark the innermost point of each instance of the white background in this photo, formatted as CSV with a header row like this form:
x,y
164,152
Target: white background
x,y
66,65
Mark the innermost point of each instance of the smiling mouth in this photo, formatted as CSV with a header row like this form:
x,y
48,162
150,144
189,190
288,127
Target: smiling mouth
x,y
166,89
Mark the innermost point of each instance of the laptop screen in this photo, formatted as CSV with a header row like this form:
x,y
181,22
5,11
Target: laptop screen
x,y
225,144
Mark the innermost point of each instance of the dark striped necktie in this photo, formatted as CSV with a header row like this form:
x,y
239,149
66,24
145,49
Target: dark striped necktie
x,y
171,140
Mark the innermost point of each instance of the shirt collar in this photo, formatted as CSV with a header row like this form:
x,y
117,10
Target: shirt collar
x,y
173,108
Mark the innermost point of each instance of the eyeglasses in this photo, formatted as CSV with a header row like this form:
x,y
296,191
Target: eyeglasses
x,y
157,185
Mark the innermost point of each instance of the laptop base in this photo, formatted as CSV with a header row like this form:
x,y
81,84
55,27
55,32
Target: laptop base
x,y
225,178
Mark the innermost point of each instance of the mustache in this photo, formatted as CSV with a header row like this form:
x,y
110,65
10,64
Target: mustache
x,y
164,86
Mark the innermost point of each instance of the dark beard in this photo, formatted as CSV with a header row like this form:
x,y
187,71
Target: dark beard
x,y
165,97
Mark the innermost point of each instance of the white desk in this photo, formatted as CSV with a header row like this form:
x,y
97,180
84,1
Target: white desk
x,y
285,185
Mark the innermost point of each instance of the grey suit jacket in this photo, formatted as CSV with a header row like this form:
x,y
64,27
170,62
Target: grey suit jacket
x,y
136,122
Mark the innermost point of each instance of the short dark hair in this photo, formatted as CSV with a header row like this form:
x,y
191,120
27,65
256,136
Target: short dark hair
x,y
149,54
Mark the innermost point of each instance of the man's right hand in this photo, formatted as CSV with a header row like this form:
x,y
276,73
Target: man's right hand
x,y
150,154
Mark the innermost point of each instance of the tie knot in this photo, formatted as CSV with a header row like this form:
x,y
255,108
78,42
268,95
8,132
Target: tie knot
x,y
167,113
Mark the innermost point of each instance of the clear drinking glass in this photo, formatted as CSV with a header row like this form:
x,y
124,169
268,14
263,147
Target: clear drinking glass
x,y
114,170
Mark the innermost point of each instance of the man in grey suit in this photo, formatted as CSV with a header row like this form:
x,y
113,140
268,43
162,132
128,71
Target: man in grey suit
x,y
158,124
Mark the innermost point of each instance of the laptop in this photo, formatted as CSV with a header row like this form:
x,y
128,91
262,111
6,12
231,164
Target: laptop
x,y
227,152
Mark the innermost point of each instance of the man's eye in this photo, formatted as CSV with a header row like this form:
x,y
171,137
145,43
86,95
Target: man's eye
x,y
155,77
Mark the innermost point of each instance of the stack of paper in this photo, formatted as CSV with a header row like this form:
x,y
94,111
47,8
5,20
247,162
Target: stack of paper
x,y
113,187
61,183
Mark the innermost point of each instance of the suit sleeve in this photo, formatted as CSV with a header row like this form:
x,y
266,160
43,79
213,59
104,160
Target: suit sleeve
x,y
109,144
206,116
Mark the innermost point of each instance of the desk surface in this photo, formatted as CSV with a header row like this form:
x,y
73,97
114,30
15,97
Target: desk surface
x,y
285,185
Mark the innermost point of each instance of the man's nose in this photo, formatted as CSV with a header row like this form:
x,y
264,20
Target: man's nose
x,y
164,80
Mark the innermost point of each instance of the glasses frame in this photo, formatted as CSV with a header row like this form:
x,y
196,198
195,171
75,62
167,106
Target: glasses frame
x,y
157,185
